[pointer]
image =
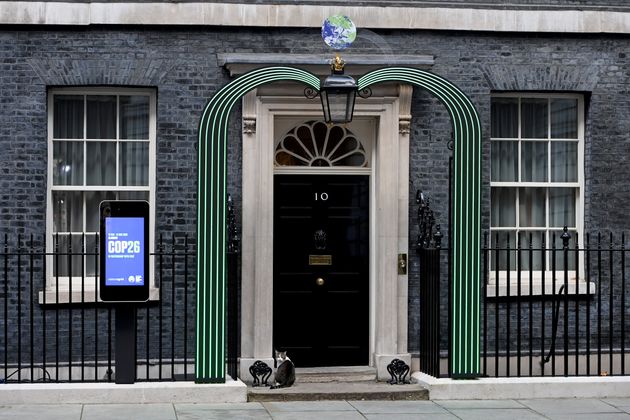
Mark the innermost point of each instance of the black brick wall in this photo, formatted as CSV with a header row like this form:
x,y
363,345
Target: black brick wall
x,y
181,65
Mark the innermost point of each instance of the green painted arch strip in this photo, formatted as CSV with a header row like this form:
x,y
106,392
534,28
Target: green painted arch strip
x,y
211,216
465,312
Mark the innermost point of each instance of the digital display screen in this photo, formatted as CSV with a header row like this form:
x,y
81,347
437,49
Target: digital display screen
x,y
124,251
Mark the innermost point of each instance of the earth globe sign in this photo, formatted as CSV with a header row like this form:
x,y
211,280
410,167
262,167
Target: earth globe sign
x,y
338,32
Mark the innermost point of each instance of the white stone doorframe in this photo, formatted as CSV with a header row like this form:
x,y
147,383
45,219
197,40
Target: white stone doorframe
x,y
389,225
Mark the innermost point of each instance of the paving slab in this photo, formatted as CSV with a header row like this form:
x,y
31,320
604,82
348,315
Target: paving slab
x,y
569,406
221,411
463,404
223,414
129,411
617,402
497,413
417,416
220,406
41,411
397,407
305,406
315,415
598,416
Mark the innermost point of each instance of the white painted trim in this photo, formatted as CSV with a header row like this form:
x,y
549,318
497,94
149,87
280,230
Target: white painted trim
x,y
51,294
524,388
329,171
579,204
140,393
581,288
388,300
311,16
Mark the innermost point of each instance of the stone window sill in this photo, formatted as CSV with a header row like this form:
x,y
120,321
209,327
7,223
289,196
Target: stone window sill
x,y
86,297
579,289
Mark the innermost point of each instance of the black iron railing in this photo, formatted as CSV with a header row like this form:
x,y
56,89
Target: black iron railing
x,y
548,308
55,328
233,288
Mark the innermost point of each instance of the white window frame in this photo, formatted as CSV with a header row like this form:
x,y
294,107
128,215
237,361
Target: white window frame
x,y
538,275
363,139
60,294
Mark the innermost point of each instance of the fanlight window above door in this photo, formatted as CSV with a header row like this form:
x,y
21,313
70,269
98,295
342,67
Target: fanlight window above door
x,y
314,143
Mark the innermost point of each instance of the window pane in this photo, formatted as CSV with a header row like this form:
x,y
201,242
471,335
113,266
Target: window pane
x,y
534,161
133,195
67,211
504,117
564,161
92,202
101,117
500,241
67,256
68,163
564,118
534,118
305,138
531,207
101,163
320,132
503,206
531,251
134,163
562,207
134,117
68,117
504,161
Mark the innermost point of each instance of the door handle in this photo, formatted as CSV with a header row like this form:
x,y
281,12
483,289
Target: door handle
x,y
319,281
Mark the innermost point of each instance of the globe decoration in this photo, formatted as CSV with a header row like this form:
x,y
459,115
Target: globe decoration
x,y
338,32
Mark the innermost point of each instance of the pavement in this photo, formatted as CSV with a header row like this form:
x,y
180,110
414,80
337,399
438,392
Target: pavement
x,y
569,408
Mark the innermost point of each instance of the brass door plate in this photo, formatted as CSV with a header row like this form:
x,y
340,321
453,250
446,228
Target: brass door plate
x,y
320,260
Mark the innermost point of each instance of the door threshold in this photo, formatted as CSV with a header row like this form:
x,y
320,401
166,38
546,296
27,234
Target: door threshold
x,y
335,374
324,369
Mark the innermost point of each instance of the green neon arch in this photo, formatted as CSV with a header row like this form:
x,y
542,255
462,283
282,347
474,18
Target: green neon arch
x,y
211,213
465,333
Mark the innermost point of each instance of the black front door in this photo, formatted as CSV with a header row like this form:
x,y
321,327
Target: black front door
x,y
321,269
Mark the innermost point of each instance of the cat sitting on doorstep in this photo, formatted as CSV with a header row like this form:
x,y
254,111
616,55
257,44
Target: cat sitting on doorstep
x,y
285,373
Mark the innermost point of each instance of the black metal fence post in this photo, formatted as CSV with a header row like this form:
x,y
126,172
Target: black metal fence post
x,y
428,248
430,311
233,280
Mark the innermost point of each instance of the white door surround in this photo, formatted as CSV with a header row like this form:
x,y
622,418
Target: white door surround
x,y
389,111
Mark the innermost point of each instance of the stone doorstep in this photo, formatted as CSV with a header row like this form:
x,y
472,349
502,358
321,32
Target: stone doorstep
x,y
366,390
335,374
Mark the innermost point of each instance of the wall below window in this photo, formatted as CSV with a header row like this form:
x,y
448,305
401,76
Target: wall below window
x,y
181,64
